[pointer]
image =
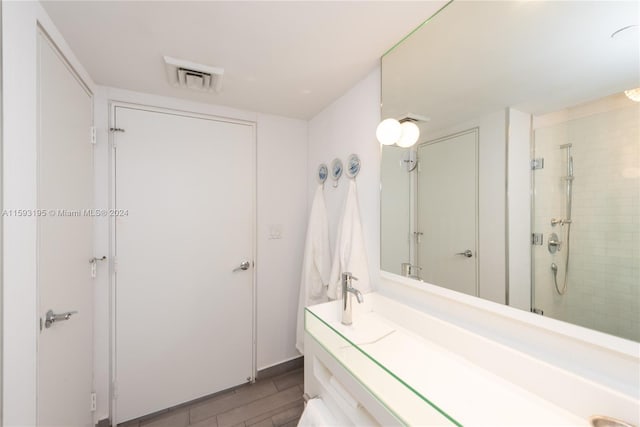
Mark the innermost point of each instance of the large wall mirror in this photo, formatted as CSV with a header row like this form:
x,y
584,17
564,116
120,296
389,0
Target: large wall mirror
x,y
524,185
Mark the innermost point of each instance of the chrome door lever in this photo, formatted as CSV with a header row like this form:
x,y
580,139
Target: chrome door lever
x,y
466,253
244,265
51,317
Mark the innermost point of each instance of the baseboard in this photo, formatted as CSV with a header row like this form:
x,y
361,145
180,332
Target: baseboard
x,y
281,368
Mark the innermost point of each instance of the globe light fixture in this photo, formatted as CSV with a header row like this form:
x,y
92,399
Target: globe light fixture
x,y
389,131
410,134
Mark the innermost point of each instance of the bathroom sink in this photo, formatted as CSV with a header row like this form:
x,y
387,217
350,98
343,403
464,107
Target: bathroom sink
x,y
603,421
398,354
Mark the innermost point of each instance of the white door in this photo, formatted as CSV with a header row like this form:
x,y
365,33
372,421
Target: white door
x,y
447,212
184,310
65,243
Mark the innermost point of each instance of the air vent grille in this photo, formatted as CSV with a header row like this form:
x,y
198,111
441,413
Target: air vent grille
x,y
189,75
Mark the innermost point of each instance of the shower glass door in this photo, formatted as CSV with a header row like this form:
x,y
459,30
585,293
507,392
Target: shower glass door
x,y
586,207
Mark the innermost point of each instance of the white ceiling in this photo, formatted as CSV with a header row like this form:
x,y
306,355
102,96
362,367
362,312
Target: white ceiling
x,y
475,58
290,58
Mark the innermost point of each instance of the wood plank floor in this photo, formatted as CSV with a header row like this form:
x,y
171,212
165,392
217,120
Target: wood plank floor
x,y
275,401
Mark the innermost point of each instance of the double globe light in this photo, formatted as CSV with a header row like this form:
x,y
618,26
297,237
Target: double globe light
x,y
391,131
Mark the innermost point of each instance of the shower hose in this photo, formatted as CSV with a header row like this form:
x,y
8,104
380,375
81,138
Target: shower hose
x,y
566,266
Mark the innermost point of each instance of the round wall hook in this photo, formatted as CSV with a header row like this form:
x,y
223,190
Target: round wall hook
x,y
353,166
336,170
323,172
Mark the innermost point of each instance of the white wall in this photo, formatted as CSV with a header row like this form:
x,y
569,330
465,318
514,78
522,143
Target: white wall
x,y
395,209
519,209
281,202
348,126
19,192
20,308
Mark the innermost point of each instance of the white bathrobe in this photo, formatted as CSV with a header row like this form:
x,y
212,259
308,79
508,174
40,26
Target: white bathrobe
x,y
316,264
350,254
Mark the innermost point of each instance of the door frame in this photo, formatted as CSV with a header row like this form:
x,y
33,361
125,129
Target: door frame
x,y
20,324
476,132
112,142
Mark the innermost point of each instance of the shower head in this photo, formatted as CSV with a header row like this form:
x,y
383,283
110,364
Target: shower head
x,y
554,267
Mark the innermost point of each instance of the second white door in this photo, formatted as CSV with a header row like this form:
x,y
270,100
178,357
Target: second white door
x,y
447,212
184,196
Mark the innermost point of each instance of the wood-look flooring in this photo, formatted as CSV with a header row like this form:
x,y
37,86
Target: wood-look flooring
x,y
274,401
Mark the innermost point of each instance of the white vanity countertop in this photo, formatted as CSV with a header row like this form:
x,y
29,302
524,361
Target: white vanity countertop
x,y
466,392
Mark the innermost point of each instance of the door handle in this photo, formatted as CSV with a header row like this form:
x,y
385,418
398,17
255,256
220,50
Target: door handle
x,y
244,265
51,317
466,253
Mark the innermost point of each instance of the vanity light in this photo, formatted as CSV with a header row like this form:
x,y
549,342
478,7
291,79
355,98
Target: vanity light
x,y
633,94
403,133
410,134
389,131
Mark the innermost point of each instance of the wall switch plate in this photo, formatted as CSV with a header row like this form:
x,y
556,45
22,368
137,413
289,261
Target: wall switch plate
x,y
275,231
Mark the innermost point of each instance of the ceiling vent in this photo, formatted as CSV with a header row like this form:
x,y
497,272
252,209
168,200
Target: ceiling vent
x,y
187,74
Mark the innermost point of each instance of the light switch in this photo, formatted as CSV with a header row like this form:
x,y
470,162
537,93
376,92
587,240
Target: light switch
x,y
275,231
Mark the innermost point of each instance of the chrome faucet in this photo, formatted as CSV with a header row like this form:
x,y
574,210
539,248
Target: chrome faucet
x,y
346,301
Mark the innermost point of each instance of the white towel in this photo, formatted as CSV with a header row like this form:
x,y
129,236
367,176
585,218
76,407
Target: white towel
x,y
350,252
316,264
316,414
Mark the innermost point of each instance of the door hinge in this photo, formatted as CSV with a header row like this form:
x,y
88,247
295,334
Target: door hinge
x,y
92,136
114,390
115,264
537,163
113,141
536,238
94,402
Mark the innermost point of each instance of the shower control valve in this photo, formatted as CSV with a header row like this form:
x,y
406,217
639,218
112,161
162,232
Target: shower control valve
x,y
554,243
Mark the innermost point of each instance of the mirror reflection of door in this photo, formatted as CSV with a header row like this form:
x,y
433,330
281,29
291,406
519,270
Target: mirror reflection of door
x,y
447,194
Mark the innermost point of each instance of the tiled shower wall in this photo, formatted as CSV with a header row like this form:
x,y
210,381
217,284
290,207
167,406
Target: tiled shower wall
x,y
604,269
